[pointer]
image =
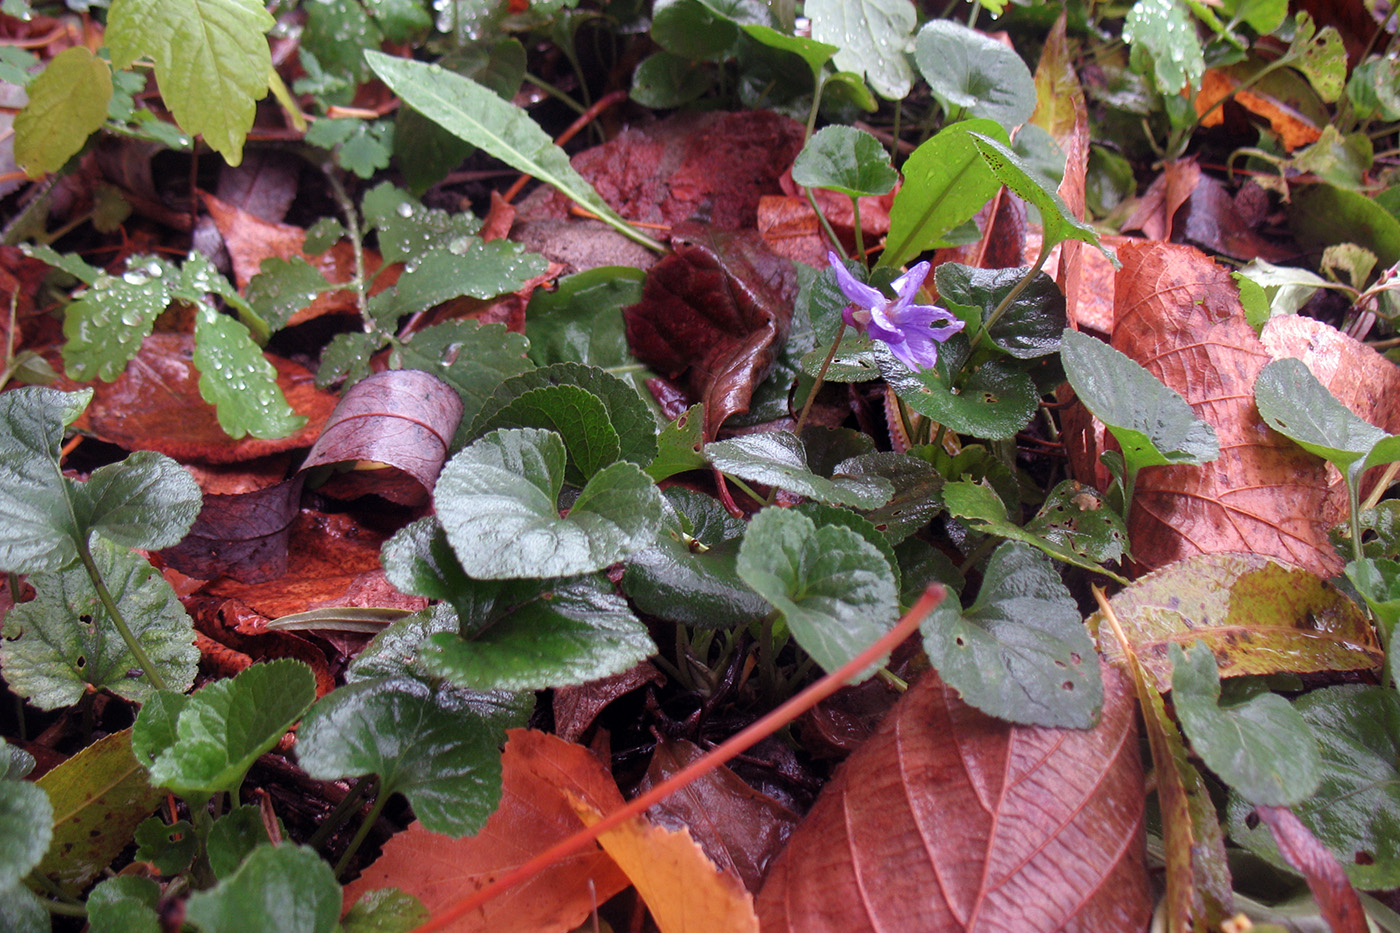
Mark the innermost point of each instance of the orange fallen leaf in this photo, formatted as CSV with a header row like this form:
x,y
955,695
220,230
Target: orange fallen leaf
x,y
1293,128
682,888
540,773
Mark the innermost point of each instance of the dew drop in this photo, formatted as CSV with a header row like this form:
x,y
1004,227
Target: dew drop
x,y
405,210
135,278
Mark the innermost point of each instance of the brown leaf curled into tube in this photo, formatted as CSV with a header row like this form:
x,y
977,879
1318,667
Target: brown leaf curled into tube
x,y
950,820
1179,315
716,310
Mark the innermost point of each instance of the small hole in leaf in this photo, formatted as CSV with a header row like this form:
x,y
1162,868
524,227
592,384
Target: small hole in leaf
x,y
1252,821
80,663
85,619
1365,858
1075,657
960,642
1067,685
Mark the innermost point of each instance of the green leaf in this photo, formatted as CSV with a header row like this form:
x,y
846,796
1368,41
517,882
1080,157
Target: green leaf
x,y
845,159
104,328
689,29
679,445
67,104
283,287
1294,403
871,36
1320,55
498,501
689,573
337,32
63,643
471,357
99,797
1057,223
1263,16
1321,215
1029,327
211,57
1020,652
238,381
125,904
1162,37
1356,809
171,847
834,589
780,458
466,267
503,130
580,321
1374,89
21,911
1261,747
278,889
1075,516
26,825
815,54
977,503
385,910
575,414
233,837
15,762
347,357
921,564
439,747
664,80
946,182
1152,423
918,492
995,401
206,742
975,74
407,229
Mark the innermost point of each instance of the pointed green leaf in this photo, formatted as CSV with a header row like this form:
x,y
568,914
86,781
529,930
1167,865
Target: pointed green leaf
x,y
221,730
63,643
385,910
1029,327
469,267
472,358
1356,809
498,501
1020,652
1057,223
99,797
1261,746
1163,38
834,589
124,904
978,504
238,381
845,159
946,182
871,36
975,74
575,414
67,104
1295,404
779,458
26,825
1152,424
211,56
439,747
689,573
503,130
580,321
815,54
278,889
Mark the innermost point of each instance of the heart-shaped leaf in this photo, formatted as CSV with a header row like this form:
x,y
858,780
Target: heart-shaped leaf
x,y
580,321
1075,516
1294,403
124,903
779,458
498,501
994,401
1020,651
689,574
1261,747
63,643
146,501
233,837
439,747
845,159
974,74
871,36
834,589
918,491
576,415
1029,327
26,823
205,743
287,887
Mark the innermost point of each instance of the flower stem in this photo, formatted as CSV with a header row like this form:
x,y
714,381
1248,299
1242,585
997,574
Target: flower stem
x,y
137,652
362,832
1012,295
821,377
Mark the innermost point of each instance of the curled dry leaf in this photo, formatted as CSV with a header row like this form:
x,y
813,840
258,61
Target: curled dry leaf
x,y
542,778
717,309
950,820
1293,127
576,707
1331,888
402,420
155,405
242,535
1179,315
1163,198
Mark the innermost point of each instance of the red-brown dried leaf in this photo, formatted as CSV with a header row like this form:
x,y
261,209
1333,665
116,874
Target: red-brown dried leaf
x,y
1213,221
1163,198
740,829
242,535
1293,128
950,820
241,632
155,405
403,419
539,772
1179,315
717,310
1326,878
575,708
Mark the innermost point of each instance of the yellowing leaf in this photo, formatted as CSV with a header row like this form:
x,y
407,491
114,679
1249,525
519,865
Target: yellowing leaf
x,y
682,887
67,104
211,56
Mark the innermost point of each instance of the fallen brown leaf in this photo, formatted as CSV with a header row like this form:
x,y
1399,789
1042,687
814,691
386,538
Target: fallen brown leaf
x,y
1330,886
1179,315
950,820
1294,129
540,774
1163,198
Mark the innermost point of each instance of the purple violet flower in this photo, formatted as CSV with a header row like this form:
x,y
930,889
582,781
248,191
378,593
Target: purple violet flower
x,y
909,330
